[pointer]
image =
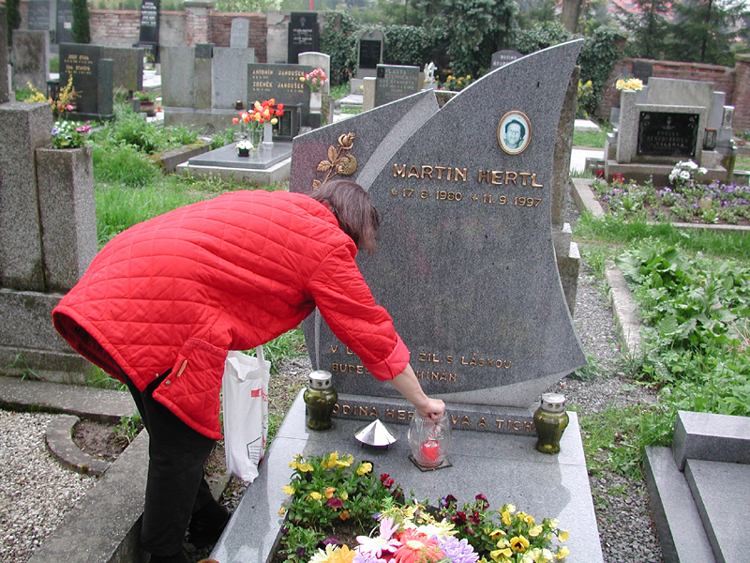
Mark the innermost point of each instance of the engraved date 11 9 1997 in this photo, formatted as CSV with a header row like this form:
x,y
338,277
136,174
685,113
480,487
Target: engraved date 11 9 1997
x,y
444,195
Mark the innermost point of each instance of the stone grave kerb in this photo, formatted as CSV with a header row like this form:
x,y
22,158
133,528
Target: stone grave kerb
x,y
466,265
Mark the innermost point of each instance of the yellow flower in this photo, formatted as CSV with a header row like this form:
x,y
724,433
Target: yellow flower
x,y
534,531
294,465
282,511
503,543
364,468
345,461
554,523
274,120
506,518
316,495
563,535
329,492
288,489
305,467
562,553
529,519
501,554
497,534
331,461
519,543
344,495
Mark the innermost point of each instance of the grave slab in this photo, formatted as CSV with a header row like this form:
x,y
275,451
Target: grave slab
x,y
722,495
507,470
681,534
711,437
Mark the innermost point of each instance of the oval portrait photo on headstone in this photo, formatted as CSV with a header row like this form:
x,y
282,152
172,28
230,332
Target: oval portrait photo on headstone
x,y
514,132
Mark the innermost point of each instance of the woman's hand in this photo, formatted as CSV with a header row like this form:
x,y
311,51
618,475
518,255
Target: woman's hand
x,y
408,385
434,409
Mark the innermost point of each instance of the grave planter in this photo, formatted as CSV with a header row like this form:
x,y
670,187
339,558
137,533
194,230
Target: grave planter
x,y
65,183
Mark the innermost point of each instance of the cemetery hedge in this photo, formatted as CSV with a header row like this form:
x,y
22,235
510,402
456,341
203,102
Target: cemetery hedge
x,y
417,46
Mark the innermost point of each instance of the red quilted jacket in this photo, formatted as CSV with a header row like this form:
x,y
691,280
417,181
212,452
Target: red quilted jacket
x,y
180,290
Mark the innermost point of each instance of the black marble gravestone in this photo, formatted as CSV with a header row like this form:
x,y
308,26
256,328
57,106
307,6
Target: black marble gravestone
x,y
303,35
93,77
667,134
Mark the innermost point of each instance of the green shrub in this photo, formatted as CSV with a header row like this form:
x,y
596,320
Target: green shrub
x,y
339,41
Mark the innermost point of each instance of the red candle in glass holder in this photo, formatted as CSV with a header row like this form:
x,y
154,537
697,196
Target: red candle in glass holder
x,y
430,450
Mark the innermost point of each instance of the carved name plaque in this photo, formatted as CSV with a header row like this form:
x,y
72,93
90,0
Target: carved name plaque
x,y
465,265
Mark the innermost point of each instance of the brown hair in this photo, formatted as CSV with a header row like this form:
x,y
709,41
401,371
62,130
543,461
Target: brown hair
x,y
352,207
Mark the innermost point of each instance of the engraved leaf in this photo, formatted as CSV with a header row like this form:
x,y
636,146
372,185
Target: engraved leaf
x,y
332,153
323,165
316,184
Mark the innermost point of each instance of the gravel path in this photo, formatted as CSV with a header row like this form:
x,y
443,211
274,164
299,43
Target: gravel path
x,y
36,491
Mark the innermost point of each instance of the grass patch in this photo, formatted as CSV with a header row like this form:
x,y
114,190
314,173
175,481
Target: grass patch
x,y
589,139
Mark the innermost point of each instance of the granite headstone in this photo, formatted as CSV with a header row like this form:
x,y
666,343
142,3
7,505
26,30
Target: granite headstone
x,y
304,35
466,264
202,76
229,85
127,65
281,82
93,77
30,59
395,82
40,15
64,27
178,70
239,33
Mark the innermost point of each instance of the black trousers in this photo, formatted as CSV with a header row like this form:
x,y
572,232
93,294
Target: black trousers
x,y
175,488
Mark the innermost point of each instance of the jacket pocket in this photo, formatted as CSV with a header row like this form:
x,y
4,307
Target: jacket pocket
x,y
192,389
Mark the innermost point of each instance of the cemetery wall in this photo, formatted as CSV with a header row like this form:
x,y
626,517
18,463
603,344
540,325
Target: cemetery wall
x,y
725,79
115,28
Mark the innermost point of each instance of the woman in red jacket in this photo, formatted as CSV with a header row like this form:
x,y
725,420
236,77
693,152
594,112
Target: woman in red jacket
x,y
164,301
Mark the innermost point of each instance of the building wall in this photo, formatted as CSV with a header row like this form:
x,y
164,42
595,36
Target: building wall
x,y
221,27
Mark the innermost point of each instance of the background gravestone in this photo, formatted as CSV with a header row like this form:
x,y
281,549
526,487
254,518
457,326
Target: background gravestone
x,y
177,80
64,23
466,265
303,35
40,15
281,82
369,52
148,34
501,58
30,59
229,85
395,82
93,77
127,67
239,34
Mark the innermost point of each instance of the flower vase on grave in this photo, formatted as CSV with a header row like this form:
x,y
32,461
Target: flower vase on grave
x,y
267,134
316,102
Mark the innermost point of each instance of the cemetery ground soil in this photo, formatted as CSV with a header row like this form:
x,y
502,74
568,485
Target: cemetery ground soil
x,y
622,508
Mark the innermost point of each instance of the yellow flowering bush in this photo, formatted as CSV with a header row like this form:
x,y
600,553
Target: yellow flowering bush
x,y
456,83
629,84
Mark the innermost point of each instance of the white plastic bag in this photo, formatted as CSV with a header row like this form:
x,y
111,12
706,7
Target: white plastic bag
x,y
245,412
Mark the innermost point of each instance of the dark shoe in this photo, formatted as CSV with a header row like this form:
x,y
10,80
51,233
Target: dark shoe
x,y
204,532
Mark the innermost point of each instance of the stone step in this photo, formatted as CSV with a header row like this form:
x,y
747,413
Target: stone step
x,y
682,536
711,437
722,496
